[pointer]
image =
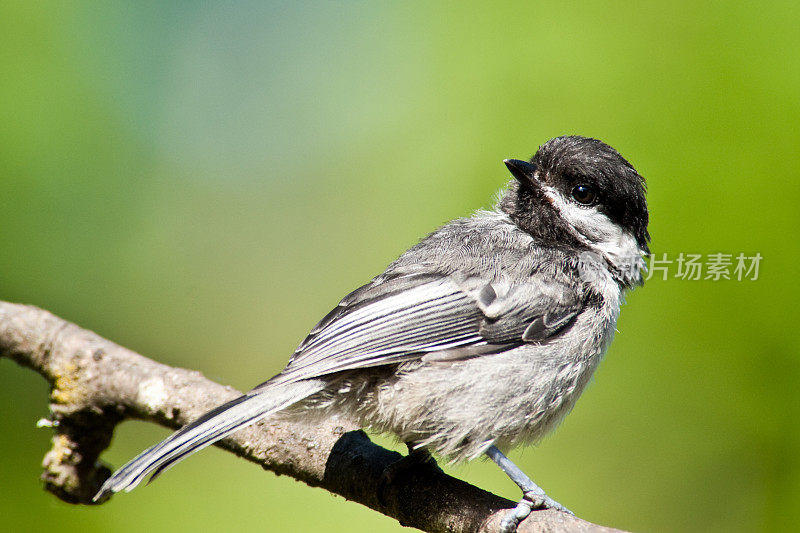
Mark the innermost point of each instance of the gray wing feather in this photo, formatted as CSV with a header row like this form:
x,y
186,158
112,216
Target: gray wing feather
x,y
531,312
433,317
364,295
393,327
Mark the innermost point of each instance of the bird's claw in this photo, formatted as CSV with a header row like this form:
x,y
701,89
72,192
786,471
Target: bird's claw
x,y
530,500
512,519
540,500
416,459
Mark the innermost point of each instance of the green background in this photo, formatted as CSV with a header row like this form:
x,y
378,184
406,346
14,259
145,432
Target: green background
x,y
201,182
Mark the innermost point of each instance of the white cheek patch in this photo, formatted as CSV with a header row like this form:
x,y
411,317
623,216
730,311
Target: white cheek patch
x,y
601,233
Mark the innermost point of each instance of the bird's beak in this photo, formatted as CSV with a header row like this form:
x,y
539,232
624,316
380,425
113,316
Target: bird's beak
x,y
523,171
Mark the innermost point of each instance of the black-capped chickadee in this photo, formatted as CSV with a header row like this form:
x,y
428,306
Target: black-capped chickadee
x,y
480,337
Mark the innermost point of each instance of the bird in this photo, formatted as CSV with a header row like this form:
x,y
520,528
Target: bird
x,y
479,338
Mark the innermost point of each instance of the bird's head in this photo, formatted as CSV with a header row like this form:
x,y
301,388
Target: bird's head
x,y
580,192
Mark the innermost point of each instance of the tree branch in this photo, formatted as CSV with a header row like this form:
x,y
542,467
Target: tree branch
x,y
95,384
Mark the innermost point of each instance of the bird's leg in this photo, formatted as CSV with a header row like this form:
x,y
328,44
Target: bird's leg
x,y
417,457
533,497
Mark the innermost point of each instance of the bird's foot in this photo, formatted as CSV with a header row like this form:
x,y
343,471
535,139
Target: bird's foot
x,y
417,458
540,500
519,513
533,499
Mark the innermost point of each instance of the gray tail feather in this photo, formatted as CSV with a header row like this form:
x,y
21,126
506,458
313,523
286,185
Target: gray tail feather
x,y
206,430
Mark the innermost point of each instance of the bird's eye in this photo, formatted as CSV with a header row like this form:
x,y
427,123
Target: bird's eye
x,y
584,194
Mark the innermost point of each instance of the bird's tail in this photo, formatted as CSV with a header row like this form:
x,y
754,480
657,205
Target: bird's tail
x,y
206,430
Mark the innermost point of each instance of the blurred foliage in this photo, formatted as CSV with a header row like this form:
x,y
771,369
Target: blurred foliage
x,y
202,181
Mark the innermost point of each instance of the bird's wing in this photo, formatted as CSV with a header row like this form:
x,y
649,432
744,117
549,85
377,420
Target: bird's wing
x,y
431,317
